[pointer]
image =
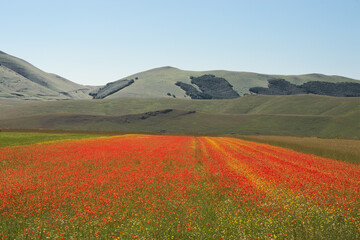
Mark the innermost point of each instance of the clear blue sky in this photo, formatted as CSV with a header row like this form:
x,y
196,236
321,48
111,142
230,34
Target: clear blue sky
x,y
97,41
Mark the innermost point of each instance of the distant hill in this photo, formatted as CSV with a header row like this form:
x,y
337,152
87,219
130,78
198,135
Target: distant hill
x,y
21,80
170,100
170,82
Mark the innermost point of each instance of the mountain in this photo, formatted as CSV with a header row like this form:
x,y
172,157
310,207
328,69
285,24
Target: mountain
x,y
21,80
170,82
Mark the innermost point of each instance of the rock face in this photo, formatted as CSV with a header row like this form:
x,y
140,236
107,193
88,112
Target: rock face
x,y
211,87
110,88
283,87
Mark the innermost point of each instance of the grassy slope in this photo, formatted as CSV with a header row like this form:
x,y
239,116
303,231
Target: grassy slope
x,y
24,138
296,104
19,77
160,81
34,83
341,149
13,85
196,123
301,115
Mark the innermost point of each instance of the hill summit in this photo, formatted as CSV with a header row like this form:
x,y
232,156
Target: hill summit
x,y
21,80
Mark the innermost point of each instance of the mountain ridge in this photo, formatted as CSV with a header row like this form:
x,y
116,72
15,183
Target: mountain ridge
x,y
20,80
159,82
17,77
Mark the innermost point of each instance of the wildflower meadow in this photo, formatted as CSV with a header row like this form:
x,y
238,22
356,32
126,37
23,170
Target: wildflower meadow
x,y
174,187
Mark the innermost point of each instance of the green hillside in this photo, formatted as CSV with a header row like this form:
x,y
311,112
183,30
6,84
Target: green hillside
x,y
137,103
21,80
159,82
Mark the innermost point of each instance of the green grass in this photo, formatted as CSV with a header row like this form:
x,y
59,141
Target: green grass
x,y
341,149
180,122
25,138
295,104
300,115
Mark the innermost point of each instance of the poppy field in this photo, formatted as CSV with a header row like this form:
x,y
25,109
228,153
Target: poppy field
x,y
174,187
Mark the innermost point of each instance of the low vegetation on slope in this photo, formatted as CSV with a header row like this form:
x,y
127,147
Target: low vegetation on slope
x,y
283,87
110,88
210,87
